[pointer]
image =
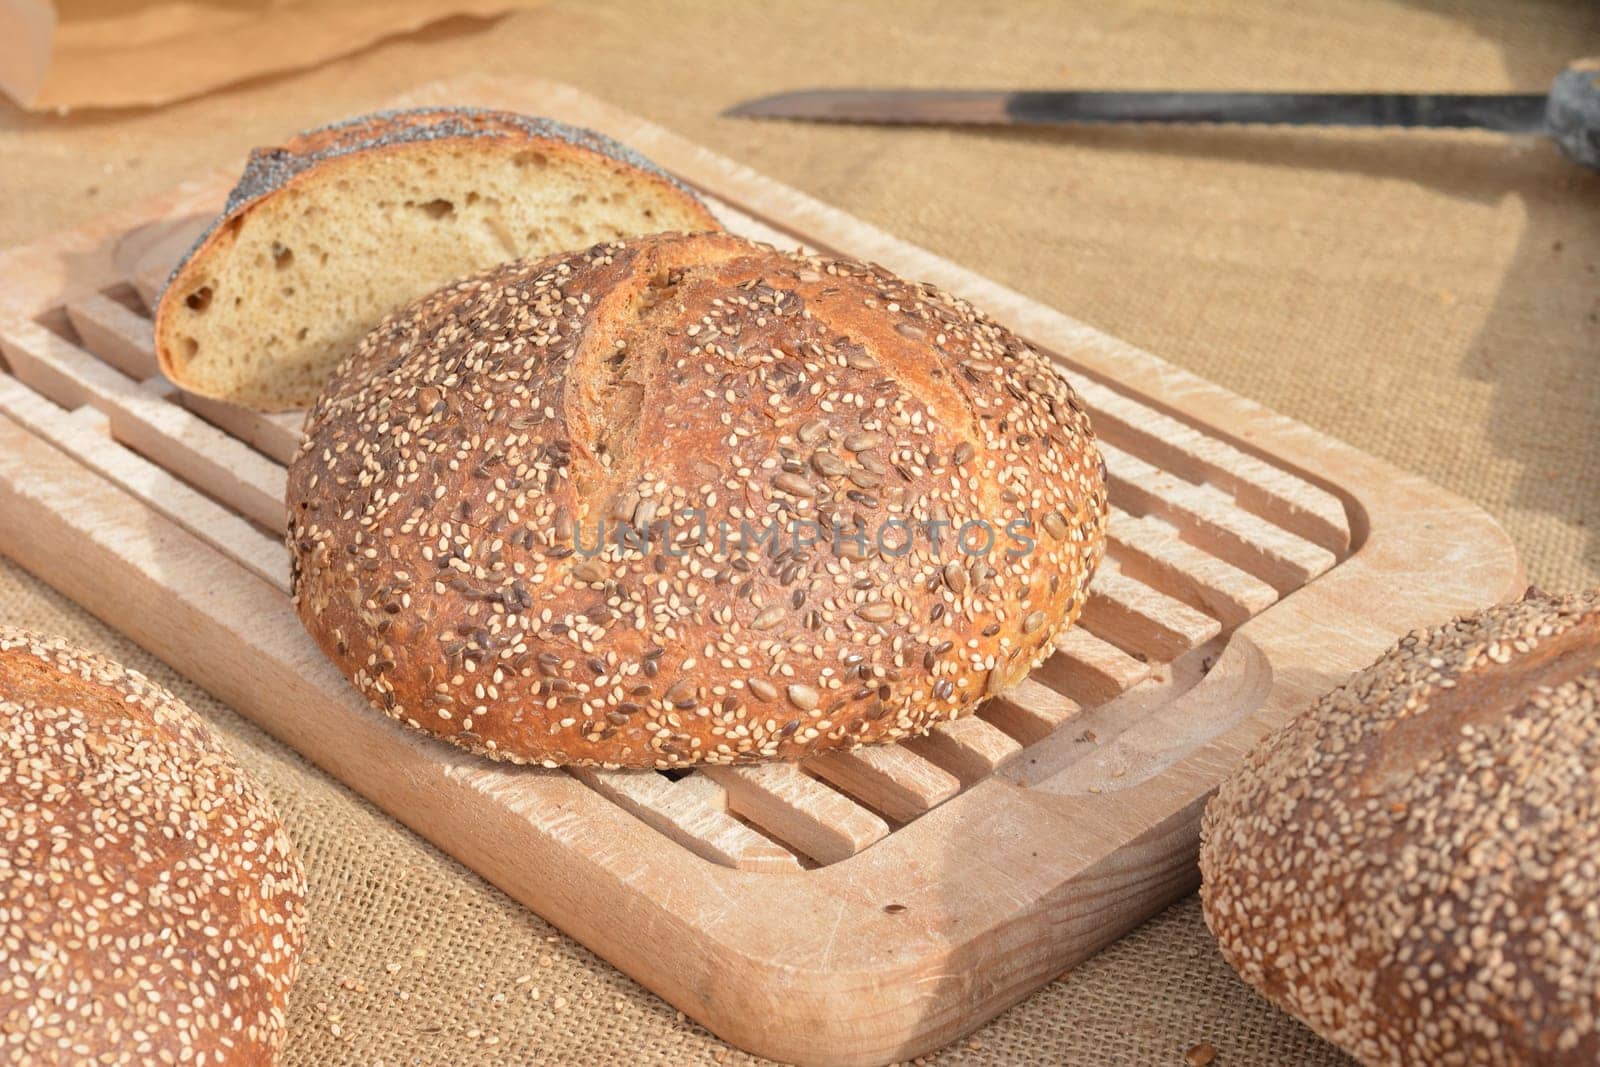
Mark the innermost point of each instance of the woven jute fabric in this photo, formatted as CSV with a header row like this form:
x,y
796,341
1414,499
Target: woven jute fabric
x,y
1430,298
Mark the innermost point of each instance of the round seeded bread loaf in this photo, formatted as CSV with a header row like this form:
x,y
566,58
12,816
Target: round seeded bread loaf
x,y
328,233
1413,866
446,507
151,906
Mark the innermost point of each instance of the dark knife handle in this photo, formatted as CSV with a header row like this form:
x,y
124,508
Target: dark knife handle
x,y
1486,111
1573,113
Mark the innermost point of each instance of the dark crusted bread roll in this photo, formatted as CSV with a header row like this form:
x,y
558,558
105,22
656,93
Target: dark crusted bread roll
x,y
1412,866
151,906
816,449
328,233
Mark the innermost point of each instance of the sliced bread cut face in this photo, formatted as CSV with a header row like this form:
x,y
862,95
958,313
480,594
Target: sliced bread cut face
x,y
326,235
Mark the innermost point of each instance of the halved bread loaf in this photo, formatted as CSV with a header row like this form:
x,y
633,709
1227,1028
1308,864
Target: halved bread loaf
x,y
327,234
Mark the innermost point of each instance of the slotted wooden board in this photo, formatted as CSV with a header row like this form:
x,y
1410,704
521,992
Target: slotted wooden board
x,y
857,908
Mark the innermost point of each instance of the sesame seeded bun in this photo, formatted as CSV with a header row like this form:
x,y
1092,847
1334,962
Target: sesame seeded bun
x,y
329,232
1413,866
453,508
150,903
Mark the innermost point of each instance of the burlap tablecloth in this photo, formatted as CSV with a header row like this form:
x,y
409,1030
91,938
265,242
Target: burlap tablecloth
x,y
1433,299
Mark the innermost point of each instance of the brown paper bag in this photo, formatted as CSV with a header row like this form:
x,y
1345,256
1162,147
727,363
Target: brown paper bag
x,y
106,53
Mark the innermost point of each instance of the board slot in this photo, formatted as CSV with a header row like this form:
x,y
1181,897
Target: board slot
x,y
143,419
1269,492
126,294
86,435
969,748
1146,549
116,335
887,778
1143,621
710,793
161,389
275,435
698,786
798,810
1029,711
48,330
684,815
149,283
248,480
1090,670
1210,519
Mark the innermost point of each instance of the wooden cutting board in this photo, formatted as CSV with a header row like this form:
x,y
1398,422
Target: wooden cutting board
x,y
854,909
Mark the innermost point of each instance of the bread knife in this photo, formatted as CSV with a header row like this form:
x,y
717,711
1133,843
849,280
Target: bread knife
x,y
1569,114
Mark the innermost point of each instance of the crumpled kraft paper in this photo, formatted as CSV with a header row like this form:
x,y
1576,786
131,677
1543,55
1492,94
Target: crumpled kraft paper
x,y
128,53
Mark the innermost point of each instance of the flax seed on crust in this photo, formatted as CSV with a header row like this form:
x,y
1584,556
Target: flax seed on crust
x,y
446,502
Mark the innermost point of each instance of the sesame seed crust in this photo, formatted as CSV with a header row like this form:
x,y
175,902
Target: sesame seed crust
x,y
1412,866
446,501
151,905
